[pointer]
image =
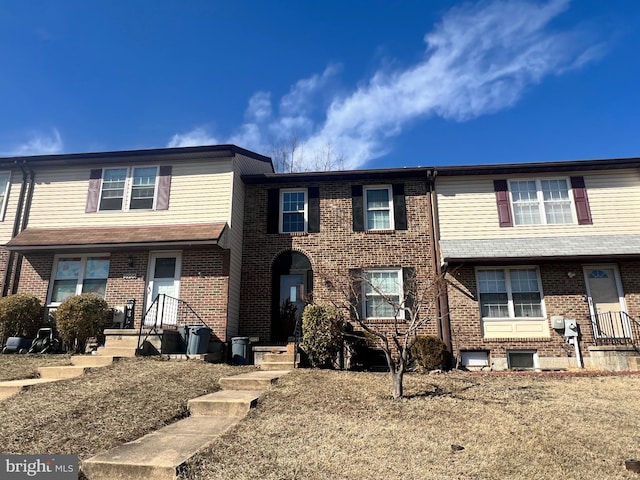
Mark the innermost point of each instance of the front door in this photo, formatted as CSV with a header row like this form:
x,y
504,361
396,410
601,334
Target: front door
x,y
606,301
291,301
164,278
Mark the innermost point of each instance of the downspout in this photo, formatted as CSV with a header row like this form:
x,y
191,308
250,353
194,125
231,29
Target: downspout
x,y
25,221
444,324
16,229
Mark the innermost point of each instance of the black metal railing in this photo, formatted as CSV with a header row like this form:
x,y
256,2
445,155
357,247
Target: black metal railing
x,y
166,312
297,339
616,328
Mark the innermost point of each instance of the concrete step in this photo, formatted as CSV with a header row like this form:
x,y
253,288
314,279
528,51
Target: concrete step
x,y
13,387
131,342
116,352
259,380
276,365
224,403
159,454
634,363
57,373
91,360
278,357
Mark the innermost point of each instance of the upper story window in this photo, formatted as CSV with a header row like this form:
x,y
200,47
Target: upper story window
x,y
293,211
510,293
5,183
379,207
76,274
129,188
382,293
542,201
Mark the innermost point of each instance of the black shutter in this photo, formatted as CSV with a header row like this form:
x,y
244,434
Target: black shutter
x,y
357,208
273,210
581,200
502,200
95,177
399,207
313,225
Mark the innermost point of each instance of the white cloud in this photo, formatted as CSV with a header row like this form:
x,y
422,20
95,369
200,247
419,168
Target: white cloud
x,y
196,137
39,144
479,59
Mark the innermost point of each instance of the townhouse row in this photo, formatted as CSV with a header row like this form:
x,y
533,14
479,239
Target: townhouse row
x,y
530,252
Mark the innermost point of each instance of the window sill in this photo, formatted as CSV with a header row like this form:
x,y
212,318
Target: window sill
x,y
514,319
293,234
381,232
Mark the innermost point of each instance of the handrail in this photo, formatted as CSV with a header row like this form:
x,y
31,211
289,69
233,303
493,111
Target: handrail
x,y
616,328
297,339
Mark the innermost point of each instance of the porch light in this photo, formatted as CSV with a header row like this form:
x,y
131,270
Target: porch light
x,y
571,274
130,260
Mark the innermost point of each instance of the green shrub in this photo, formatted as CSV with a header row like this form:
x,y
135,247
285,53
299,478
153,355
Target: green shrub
x,y
322,328
80,318
20,315
430,352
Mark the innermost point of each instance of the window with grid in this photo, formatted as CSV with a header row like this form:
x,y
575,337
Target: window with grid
x,y
128,188
293,208
379,208
510,293
382,293
74,275
5,183
538,202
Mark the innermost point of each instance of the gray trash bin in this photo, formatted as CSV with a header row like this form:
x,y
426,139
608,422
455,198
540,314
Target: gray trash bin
x,y
240,350
198,340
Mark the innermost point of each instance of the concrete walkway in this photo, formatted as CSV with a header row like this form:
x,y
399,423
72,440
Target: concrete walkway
x,y
158,455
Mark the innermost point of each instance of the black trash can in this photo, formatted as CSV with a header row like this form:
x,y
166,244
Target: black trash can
x,y
198,340
240,350
183,342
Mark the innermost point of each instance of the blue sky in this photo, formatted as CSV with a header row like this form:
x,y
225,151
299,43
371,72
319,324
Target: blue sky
x,y
380,83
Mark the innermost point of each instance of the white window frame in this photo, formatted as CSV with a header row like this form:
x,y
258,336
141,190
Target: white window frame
x,y
128,188
366,209
542,214
305,211
510,303
80,280
6,193
534,353
398,271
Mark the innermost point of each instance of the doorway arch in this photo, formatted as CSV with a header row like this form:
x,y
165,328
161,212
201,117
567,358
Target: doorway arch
x,y
292,284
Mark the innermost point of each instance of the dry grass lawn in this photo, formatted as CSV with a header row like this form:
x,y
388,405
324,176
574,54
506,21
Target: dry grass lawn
x,y
14,367
343,425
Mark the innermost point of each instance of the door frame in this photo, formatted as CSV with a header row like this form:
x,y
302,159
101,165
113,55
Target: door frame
x,y
151,273
592,308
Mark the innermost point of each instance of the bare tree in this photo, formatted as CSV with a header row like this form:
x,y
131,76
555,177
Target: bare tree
x,y
410,309
289,157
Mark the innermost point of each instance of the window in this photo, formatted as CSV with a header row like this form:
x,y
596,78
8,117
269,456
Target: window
x,y
128,188
522,359
538,202
510,293
5,183
378,207
382,293
293,211
73,275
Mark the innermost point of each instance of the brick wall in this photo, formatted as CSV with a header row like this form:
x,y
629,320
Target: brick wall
x,y
204,282
563,296
332,251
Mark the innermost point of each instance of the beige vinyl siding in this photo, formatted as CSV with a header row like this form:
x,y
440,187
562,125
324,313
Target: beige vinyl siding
x,y
6,226
200,193
242,166
516,328
467,207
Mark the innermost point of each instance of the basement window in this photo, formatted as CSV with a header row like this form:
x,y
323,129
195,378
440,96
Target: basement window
x,y
522,359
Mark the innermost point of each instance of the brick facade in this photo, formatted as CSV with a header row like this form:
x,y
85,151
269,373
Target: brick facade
x,y
203,285
333,251
563,296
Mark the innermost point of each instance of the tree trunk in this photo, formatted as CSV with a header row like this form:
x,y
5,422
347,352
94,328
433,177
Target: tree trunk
x,y
397,384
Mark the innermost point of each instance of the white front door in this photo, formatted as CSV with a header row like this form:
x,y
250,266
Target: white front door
x,y
163,278
606,301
